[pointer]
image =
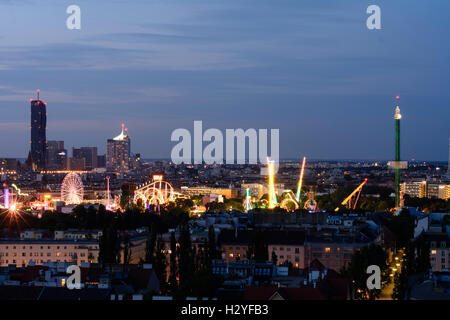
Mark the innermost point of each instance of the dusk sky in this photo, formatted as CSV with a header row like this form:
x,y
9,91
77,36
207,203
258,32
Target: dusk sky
x,y
310,68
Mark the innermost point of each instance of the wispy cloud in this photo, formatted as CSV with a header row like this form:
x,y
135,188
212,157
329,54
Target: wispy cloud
x,y
131,95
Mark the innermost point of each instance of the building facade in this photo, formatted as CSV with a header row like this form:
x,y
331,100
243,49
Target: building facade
x,y
8,164
118,153
21,252
89,154
332,255
439,251
448,165
415,189
423,189
56,155
38,150
228,193
287,246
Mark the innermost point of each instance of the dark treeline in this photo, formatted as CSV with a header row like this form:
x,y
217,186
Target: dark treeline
x,y
416,261
183,268
91,218
356,270
427,204
416,251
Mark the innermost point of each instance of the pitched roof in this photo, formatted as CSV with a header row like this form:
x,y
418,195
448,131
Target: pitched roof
x,y
268,292
316,265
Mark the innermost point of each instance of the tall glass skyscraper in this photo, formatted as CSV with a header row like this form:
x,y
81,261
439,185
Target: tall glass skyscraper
x,y
118,152
448,167
38,151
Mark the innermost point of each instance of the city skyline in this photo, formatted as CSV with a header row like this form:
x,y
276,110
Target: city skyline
x,y
313,71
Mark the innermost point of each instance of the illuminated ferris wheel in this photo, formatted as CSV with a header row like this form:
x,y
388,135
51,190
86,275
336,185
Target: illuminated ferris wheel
x,y
72,189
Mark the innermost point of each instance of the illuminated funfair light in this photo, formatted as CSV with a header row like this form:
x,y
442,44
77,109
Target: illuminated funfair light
x,y
109,206
156,193
12,214
6,198
289,202
13,207
72,189
348,201
19,192
300,181
47,201
271,187
248,205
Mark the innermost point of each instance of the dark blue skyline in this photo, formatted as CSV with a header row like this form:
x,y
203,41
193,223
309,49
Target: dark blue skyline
x,y
310,68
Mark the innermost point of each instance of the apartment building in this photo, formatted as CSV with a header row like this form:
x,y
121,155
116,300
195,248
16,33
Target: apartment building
x,y
78,234
424,189
332,255
415,189
21,252
288,246
439,251
334,248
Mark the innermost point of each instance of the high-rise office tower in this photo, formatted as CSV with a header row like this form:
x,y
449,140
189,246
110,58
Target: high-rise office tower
x,y
448,169
56,155
118,152
89,154
38,150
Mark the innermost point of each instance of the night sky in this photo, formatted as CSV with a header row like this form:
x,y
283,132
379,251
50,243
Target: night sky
x,y
310,68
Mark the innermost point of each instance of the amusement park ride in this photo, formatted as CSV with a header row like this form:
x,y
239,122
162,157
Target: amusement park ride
x,y
248,204
156,193
10,205
7,198
72,189
348,201
291,201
